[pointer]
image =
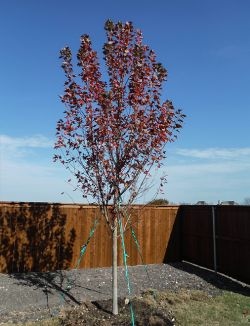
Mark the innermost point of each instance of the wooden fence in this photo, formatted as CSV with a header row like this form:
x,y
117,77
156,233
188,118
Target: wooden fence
x,y
224,247
46,237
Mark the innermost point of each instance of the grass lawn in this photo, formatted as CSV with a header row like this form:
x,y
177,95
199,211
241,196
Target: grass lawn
x,y
197,308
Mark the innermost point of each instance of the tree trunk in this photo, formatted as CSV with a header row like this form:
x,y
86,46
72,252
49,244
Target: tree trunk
x,y
114,272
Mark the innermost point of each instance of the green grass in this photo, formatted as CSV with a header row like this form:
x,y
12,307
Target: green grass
x,y
198,308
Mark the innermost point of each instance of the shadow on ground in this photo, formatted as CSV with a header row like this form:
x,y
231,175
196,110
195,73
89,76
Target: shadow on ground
x,y
49,283
34,238
218,280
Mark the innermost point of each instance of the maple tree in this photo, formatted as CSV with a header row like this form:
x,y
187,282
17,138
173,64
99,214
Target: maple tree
x,y
114,132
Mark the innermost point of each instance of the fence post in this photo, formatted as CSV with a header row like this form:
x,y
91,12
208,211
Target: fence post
x,y
214,241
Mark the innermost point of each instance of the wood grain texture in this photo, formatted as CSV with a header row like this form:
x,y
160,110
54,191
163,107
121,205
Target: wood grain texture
x,y
47,237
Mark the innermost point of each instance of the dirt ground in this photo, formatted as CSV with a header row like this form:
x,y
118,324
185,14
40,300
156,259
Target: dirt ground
x,y
83,297
145,309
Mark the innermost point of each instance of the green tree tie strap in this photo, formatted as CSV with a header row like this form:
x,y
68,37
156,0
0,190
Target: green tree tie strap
x,y
82,252
84,247
137,245
139,249
126,270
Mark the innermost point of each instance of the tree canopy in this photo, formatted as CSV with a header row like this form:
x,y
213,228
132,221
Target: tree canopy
x,y
113,131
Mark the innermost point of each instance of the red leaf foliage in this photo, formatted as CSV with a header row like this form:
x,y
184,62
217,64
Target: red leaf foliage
x,y
114,131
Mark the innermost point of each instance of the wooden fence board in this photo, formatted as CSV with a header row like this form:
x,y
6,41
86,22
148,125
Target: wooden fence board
x,y
196,235
232,230
233,241
46,237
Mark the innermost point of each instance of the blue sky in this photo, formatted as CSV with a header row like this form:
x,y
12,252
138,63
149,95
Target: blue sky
x,y
205,45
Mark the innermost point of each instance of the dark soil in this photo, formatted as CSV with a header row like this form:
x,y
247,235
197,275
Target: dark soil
x,y
99,313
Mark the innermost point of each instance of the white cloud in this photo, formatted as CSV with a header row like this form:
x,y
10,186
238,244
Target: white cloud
x,y
13,148
226,180
32,181
27,174
37,141
215,153
210,174
189,170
